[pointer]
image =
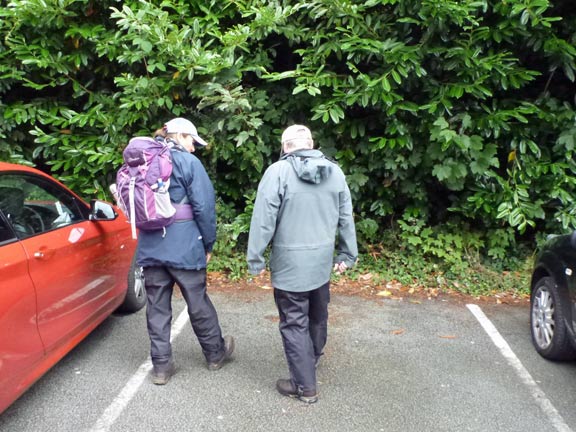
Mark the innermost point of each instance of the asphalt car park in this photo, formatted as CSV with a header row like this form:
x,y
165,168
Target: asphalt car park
x,y
390,366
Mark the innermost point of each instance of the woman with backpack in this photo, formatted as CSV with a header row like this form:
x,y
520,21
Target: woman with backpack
x,y
179,254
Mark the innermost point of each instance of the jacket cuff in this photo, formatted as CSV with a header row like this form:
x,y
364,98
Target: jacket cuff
x,y
208,247
346,259
255,270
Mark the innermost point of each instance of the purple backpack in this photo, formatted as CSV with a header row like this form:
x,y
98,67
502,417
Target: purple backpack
x,y
143,182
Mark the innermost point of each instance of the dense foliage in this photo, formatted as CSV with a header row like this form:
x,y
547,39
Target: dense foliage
x,y
453,119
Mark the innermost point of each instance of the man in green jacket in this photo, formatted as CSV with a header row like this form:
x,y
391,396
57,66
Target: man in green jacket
x,y
302,203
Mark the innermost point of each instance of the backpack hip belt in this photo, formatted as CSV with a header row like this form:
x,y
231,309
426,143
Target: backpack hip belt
x,y
183,212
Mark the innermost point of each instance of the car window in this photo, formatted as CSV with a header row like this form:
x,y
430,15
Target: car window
x,y
34,205
6,233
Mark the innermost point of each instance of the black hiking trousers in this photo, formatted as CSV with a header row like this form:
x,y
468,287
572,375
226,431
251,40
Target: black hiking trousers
x,y
304,330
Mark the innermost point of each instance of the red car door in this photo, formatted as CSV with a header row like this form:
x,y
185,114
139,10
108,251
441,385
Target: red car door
x,y
21,349
73,283
73,262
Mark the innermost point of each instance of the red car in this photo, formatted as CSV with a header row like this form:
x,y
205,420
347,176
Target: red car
x,y
65,266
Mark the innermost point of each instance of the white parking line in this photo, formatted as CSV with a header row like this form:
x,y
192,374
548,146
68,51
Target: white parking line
x,y
538,395
119,403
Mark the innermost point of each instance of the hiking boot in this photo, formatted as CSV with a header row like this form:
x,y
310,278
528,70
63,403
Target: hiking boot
x,y
286,388
162,373
228,350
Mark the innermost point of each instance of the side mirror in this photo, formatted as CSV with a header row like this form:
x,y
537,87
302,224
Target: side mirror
x,y
101,211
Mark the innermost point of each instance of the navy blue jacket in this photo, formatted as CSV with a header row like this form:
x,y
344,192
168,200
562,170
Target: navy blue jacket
x,y
185,243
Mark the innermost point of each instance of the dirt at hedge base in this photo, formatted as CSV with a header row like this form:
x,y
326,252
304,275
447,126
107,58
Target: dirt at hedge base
x,y
367,287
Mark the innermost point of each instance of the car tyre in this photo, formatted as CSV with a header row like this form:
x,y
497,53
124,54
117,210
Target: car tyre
x,y
548,326
136,293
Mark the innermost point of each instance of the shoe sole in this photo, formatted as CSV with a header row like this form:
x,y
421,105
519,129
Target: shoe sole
x,y
305,399
158,381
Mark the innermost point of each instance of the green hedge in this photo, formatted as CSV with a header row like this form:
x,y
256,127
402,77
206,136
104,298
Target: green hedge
x,y
453,119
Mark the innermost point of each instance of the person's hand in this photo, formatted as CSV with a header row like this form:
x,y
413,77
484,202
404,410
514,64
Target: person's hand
x,y
251,278
208,257
340,267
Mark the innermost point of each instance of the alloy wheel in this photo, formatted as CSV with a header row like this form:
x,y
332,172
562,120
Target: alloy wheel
x,y
543,323
139,282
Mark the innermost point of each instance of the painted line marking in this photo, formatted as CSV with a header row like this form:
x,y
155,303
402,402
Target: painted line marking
x,y
538,395
120,402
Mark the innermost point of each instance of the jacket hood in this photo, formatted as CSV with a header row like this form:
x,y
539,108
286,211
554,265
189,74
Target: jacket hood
x,y
310,166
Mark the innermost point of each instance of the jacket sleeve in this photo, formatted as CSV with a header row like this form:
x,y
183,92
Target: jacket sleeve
x,y
347,248
203,202
263,223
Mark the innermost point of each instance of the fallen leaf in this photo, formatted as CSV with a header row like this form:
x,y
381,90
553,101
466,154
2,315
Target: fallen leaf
x,y
448,336
398,332
365,277
384,293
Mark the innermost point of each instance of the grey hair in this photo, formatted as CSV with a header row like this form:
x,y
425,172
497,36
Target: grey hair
x,y
297,144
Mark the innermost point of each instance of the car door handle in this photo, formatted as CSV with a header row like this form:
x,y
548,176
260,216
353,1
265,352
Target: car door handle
x,y
43,253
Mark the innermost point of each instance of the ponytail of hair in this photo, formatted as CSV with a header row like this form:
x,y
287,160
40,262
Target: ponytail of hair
x,y
160,133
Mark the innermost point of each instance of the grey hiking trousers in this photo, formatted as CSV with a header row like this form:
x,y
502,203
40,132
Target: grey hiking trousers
x,y
159,282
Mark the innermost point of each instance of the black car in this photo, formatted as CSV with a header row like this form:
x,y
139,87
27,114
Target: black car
x,y
552,299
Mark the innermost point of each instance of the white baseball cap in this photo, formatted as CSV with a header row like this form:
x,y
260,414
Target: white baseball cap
x,y
297,134
183,126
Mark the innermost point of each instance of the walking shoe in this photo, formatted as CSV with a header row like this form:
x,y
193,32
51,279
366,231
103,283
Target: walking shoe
x,y
162,373
228,350
286,388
